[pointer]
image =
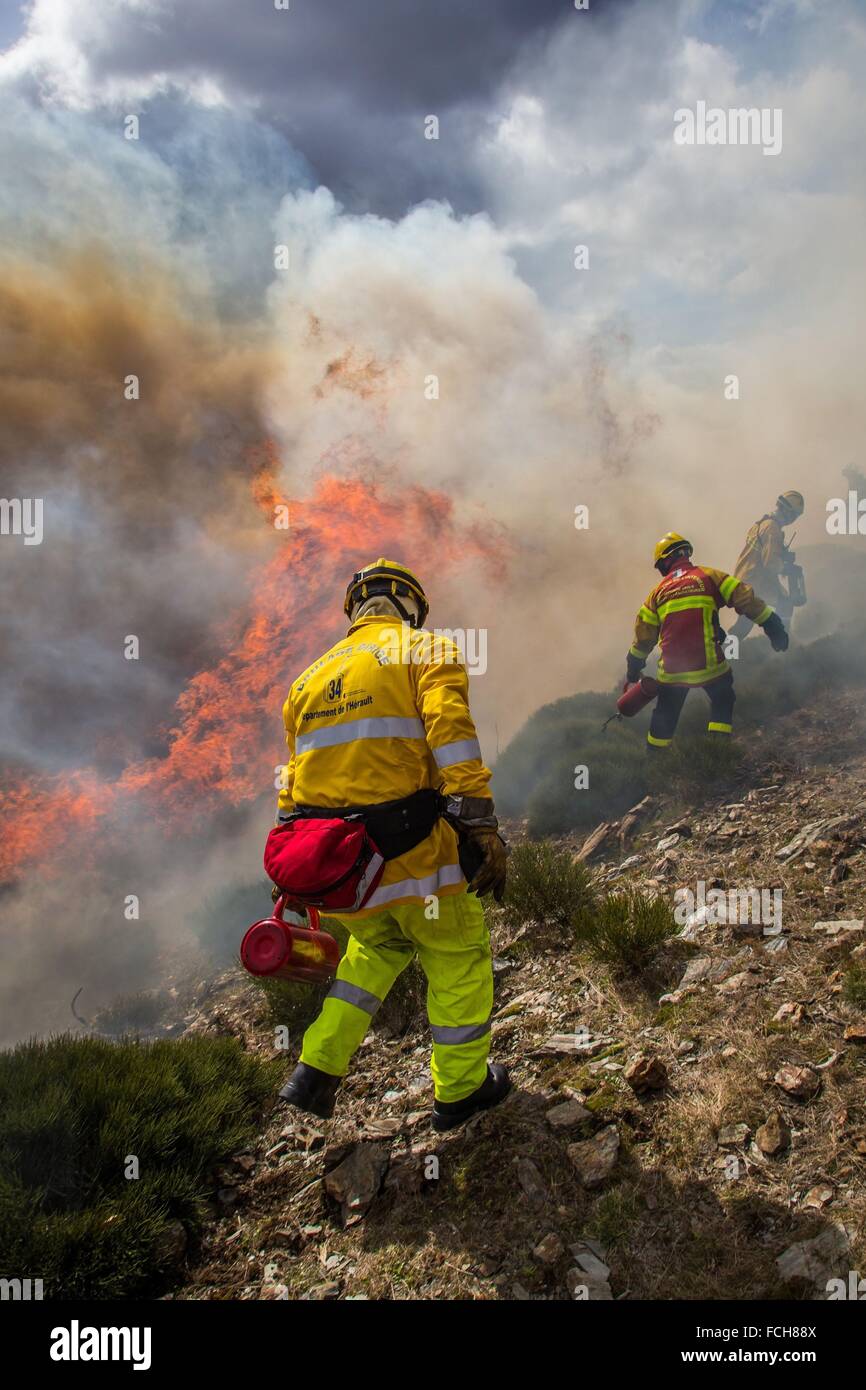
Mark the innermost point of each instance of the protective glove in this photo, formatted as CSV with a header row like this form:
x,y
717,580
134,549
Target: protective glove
x,y
633,668
775,630
491,875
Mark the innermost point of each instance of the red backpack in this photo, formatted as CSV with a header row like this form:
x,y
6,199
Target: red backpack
x,y
331,864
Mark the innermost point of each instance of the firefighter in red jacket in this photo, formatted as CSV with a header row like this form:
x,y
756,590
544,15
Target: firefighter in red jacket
x,y
682,614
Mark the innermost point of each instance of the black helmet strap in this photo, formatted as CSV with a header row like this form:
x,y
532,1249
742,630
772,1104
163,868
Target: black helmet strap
x,y
390,588
666,562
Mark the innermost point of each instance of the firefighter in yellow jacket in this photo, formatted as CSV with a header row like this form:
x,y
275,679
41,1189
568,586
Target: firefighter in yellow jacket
x,y
382,722
682,614
763,558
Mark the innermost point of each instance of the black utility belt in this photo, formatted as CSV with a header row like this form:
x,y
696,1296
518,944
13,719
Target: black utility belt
x,y
395,826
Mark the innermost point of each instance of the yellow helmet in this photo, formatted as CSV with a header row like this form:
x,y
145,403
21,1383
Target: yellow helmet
x,y
394,580
670,545
792,503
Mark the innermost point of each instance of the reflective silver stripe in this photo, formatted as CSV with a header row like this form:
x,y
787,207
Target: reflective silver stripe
x,y
469,1032
353,994
461,752
372,871
416,887
388,727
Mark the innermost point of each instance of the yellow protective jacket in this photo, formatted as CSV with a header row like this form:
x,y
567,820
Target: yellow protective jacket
x,y
682,614
762,558
383,714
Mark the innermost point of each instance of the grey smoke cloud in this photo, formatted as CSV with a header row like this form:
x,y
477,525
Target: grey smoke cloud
x,y
346,83
134,263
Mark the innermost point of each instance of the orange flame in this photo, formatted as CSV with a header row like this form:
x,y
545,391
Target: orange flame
x,y
223,745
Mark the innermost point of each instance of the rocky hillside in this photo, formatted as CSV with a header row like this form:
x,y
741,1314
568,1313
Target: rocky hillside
x,y
698,1131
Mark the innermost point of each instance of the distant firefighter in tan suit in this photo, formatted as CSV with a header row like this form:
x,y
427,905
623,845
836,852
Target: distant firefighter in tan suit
x,y
765,561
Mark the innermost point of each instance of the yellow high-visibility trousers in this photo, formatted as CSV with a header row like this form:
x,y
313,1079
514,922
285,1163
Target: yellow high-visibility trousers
x,y
454,953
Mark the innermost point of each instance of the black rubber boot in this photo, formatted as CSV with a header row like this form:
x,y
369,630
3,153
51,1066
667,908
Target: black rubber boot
x,y
447,1114
311,1090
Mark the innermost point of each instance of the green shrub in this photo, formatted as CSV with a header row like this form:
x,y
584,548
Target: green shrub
x,y
567,724
627,928
132,1013
546,885
695,762
618,778
71,1112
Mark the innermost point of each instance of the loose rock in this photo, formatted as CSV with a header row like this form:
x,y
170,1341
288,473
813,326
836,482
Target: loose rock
x,y
773,1136
646,1073
581,1042
568,1115
531,1181
594,1159
733,1136
799,1082
789,1013
355,1182
817,1260
595,841
744,979
818,1197
549,1250
713,970
589,1256
385,1128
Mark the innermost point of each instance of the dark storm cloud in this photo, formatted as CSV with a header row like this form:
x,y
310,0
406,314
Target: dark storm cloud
x,y
348,83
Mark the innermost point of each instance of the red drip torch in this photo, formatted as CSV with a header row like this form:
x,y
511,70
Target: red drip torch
x,y
292,947
634,698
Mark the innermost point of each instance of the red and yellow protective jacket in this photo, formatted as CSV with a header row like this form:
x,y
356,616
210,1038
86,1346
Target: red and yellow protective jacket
x,y
682,614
